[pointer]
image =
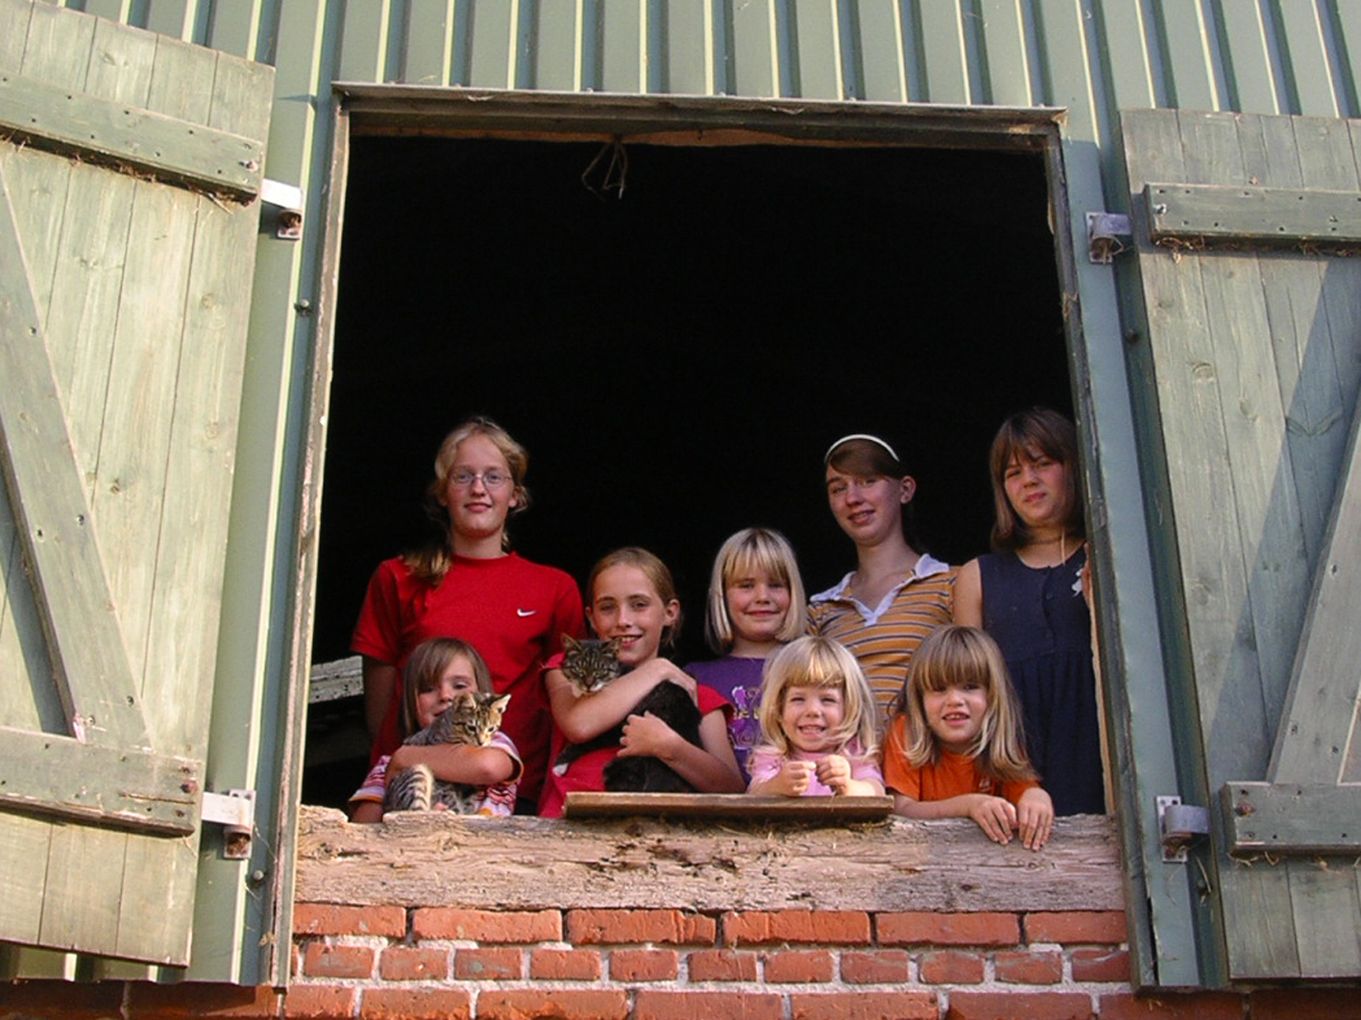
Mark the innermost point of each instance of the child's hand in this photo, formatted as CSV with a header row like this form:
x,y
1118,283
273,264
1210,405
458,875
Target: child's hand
x,y
995,816
1035,817
834,772
646,735
794,778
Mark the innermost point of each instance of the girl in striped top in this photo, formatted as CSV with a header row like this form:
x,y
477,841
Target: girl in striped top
x,y
897,594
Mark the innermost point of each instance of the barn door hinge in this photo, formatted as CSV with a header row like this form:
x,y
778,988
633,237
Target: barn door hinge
x,y
235,812
1180,825
1108,234
285,202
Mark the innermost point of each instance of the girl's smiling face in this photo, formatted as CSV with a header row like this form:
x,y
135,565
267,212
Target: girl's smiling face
x,y
433,698
955,714
811,718
478,507
625,605
757,604
1037,488
869,508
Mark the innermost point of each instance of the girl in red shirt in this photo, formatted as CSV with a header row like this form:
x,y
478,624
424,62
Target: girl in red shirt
x,y
955,748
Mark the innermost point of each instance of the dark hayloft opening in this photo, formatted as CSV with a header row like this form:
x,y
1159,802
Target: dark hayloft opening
x,y
678,357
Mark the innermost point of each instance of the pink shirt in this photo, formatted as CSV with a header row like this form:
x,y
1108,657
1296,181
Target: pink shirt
x,y
765,763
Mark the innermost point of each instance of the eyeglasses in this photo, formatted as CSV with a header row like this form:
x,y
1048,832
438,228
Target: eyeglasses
x,y
464,479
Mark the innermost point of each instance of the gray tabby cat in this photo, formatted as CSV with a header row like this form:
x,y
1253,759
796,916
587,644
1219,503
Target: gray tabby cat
x,y
591,664
472,719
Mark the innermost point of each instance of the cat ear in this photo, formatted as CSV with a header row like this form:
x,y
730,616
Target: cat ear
x,y
613,645
570,643
500,703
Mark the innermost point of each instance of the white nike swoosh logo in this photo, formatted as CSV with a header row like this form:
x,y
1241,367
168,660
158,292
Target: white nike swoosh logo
x,y
525,612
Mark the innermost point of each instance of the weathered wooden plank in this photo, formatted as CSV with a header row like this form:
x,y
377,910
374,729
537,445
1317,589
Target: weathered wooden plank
x,y
1292,818
98,130
332,681
883,65
1244,213
1309,66
155,918
80,905
810,810
23,860
1321,709
1187,63
687,38
1004,43
80,619
1129,65
1251,74
623,46
754,40
42,773
32,705
558,66
492,51
14,14
524,863
428,54
1210,559
940,34
1327,916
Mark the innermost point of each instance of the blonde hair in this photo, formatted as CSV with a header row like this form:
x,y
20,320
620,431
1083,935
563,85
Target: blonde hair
x,y
952,655
753,551
818,662
431,563
653,569
427,664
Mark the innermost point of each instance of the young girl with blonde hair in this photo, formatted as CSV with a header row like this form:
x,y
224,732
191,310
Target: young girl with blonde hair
x,y
955,749
756,605
817,725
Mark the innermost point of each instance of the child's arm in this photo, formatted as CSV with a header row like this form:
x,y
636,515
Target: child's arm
x,y
968,604
994,815
587,716
366,812
457,763
835,772
380,680
1035,817
709,769
789,780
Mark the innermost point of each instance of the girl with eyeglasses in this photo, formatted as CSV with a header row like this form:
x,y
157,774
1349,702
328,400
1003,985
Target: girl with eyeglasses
x,y
469,585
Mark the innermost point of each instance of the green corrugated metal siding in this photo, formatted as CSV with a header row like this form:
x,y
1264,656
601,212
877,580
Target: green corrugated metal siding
x,y
1092,58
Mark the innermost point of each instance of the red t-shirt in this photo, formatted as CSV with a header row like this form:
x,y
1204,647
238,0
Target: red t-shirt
x,y
512,611
950,776
588,771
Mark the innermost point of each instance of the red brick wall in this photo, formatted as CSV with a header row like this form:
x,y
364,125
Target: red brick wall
x,y
662,964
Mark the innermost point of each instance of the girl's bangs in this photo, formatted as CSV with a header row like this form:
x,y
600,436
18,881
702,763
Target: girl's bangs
x,y
756,557
936,673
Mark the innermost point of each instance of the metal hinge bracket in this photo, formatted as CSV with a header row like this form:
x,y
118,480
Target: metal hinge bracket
x,y
1108,234
235,812
286,200
1180,825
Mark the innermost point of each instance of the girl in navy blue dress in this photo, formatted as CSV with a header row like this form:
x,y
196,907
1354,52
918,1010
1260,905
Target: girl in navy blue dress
x,y
1031,595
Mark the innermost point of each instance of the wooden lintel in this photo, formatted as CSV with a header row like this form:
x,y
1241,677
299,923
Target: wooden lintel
x,y
715,806
96,130
538,863
1292,818
1270,216
46,774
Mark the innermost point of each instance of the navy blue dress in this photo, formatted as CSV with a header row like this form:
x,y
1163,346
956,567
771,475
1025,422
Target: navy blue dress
x,y
1040,620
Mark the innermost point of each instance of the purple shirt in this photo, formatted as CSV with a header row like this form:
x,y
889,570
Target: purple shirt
x,y
739,680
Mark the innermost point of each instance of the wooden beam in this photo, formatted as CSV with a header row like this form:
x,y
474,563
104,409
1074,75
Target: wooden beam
x,y
96,130
1292,818
42,773
1320,713
809,810
538,864
48,498
1212,212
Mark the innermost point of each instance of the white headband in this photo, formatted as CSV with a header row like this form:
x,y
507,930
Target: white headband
x,y
859,435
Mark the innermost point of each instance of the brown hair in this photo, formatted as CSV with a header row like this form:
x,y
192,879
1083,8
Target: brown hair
x,y
431,563
864,458
952,655
653,569
1026,435
427,664
750,551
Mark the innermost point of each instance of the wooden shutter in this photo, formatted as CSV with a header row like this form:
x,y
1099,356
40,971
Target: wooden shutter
x,y
1248,231
130,167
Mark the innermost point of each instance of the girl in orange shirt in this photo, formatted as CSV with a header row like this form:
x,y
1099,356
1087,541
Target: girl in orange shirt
x,y
955,748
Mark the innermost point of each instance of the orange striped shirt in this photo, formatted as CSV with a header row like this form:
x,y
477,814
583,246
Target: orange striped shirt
x,y
884,638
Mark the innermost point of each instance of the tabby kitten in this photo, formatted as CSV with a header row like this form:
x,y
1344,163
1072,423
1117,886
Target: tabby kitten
x,y
472,719
591,664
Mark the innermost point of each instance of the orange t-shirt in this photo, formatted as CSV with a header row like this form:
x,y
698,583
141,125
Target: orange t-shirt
x,y
951,776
